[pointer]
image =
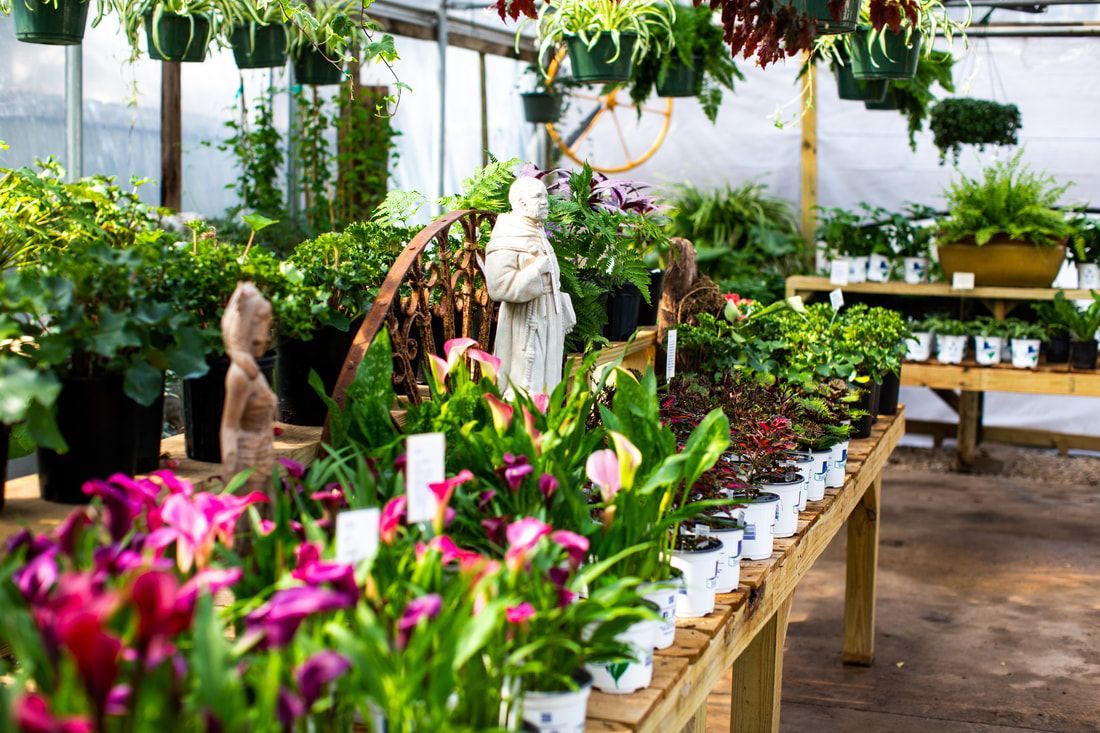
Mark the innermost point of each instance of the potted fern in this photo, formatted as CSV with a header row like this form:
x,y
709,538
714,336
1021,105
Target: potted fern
x,y
49,22
1004,227
1085,252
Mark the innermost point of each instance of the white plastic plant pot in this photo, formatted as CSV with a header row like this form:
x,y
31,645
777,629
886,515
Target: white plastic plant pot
x,y
758,514
700,569
919,346
623,678
988,349
837,466
815,484
729,564
857,269
804,464
789,493
559,712
839,258
878,268
663,595
950,349
1025,353
916,270
1088,277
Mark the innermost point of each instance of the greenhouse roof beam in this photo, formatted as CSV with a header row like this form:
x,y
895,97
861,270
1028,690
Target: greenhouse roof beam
x,y
423,23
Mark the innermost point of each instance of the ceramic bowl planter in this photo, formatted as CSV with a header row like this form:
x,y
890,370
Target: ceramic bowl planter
x,y
1003,262
758,514
299,404
1025,353
541,107
804,464
623,678
601,64
837,466
1088,276
312,67
919,346
789,489
855,90
559,712
950,349
698,561
815,486
174,37
916,270
857,269
681,80
663,595
259,46
987,350
1083,355
826,23
46,23
878,268
890,56
1056,349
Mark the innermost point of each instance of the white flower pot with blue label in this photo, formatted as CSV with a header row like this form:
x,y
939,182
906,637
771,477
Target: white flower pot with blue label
x,y
1025,353
803,463
878,268
815,487
1088,276
789,490
699,565
919,346
837,466
729,564
623,678
559,712
916,270
950,349
857,269
663,595
988,349
758,515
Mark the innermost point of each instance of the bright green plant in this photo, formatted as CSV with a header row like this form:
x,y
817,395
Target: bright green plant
x,y
366,150
914,96
29,390
315,159
943,326
1014,328
649,21
1009,200
912,239
1085,240
1062,316
958,122
256,145
845,232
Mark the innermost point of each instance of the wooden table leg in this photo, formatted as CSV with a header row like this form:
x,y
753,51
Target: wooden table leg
x,y
859,590
970,418
698,722
758,678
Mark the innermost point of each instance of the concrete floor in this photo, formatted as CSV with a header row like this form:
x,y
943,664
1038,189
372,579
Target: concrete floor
x,y
988,615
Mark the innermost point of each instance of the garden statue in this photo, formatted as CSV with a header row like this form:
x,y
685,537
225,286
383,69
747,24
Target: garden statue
x,y
250,405
522,274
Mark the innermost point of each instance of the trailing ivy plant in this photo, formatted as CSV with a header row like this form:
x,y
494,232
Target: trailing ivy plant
x,y
366,149
313,149
914,96
962,121
257,147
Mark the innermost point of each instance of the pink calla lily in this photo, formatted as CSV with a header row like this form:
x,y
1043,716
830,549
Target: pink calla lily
x,y
576,545
520,613
439,371
443,491
419,609
629,458
455,349
523,535
542,402
532,431
490,365
393,515
501,412
548,485
602,469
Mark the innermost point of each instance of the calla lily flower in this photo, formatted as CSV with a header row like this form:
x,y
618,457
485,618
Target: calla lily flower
x,y
542,402
532,431
96,652
32,715
490,365
317,671
602,469
424,608
520,613
576,545
393,515
523,536
516,468
189,528
449,551
444,490
629,458
161,614
35,579
210,580
293,468
548,485
495,529
455,349
275,623
439,371
288,708
501,412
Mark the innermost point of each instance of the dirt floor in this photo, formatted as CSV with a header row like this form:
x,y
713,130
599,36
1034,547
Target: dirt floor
x,y
988,609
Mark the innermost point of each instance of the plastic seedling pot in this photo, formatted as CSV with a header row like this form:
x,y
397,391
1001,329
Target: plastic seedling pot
x,y
803,463
622,678
987,350
559,712
203,400
857,269
1083,355
915,269
1025,353
663,595
1056,349
758,514
699,565
815,486
790,493
951,349
837,466
622,312
919,346
1088,276
878,268
729,564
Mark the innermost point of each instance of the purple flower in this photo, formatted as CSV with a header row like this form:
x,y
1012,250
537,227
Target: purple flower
x,y
288,708
317,671
35,579
576,545
293,468
32,715
276,622
118,700
515,469
424,608
547,485
69,530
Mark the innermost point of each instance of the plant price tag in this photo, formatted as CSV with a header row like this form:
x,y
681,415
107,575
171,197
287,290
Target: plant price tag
x,y
357,535
424,466
670,356
962,281
838,273
836,297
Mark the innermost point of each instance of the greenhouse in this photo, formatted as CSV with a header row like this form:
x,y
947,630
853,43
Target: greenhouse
x,y
549,365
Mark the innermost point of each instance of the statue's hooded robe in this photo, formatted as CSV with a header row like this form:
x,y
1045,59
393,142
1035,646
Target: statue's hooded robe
x,y
534,314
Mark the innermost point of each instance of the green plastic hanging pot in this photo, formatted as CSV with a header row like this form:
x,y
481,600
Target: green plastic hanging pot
x,y
826,24
681,80
898,61
174,37
259,46
888,102
541,107
601,64
852,89
311,67
41,22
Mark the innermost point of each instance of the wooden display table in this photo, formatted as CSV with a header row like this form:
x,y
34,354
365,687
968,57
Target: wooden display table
x,y
748,627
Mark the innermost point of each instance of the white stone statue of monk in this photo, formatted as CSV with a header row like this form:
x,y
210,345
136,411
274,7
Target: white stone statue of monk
x,y
521,273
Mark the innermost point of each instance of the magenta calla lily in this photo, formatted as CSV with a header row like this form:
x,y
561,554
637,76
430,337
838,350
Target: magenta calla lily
x,y
275,623
419,609
444,490
548,485
32,715
574,544
602,469
318,671
523,536
501,412
393,516
520,613
515,469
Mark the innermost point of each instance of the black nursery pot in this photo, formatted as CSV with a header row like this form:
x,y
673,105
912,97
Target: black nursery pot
x,y
107,433
324,354
622,313
203,400
1083,355
1056,349
647,312
888,394
868,399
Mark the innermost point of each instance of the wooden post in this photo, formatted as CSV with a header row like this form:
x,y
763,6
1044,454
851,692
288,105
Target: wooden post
x,y
758,677
698,722
970,417
171,135
484,108
859,590
809,157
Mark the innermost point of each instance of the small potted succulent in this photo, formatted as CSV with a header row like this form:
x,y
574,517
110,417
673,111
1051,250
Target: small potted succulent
x,y
951,337
1084,250
1025,340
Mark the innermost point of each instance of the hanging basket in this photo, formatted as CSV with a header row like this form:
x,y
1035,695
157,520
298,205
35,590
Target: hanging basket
x,y
889,102
852,89
600,64
42,22
897,61
174,37
259,46
826,23
312,67
681,80
541,107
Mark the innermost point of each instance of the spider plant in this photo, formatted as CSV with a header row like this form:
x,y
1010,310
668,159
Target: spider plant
x,y
649,21
133,14
329,28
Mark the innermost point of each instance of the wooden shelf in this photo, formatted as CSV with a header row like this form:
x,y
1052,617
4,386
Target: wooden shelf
x,y
812,284
969,376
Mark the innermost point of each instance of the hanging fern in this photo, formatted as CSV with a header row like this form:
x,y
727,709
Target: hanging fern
x,y
958,122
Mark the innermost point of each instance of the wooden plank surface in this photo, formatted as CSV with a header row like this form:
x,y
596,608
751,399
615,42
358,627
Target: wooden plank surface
x,y
813,284
1046,379
714,642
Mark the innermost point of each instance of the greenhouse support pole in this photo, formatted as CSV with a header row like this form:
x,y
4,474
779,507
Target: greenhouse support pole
x,y
74,111
442,39
808,198
171,135
482,77
291,141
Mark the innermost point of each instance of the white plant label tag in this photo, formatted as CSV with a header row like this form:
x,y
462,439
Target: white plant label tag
x,y
836,297
670,355
357,535
838,273
962,281
424,466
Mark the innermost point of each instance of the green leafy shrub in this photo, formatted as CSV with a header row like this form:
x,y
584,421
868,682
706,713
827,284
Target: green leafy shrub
x,y
958,122
914,96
